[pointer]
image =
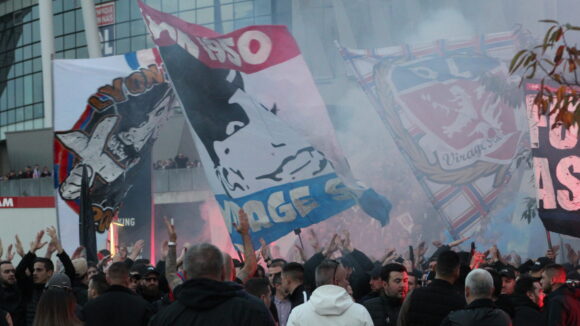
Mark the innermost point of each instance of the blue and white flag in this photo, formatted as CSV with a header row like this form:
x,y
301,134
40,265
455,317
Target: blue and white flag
x,y
260,126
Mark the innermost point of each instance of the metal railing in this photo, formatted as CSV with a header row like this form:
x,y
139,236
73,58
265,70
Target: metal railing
x,y
27,187
177,180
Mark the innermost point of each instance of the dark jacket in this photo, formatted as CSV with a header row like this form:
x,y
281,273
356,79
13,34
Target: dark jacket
x,y
384,310
480,312
117,306
11,301
31,292
208,302
428,306
3,315
370,295
297,296
359,278
81,292
526,312
562,307
505,303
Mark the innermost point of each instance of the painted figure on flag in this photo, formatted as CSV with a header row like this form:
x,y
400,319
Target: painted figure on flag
x,y
227,120
118,127
259,124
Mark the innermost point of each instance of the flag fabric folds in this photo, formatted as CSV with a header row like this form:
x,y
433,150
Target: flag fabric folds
x,y
87,233
556,157
260,126
108,112
458,135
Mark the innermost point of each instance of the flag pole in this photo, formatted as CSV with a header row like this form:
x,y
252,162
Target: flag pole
x,y
87,235
549,238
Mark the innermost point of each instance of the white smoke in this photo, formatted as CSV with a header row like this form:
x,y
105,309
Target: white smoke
x,y
445,23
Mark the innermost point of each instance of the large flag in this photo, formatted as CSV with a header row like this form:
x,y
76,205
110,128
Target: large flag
x,y
265,140
458,135
108,112
556,153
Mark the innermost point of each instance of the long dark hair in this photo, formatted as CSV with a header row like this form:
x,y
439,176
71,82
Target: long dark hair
x,y
56,308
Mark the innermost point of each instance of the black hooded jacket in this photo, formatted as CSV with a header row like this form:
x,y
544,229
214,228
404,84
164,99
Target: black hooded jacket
x,y
11,301
480,312
118,306
208,302
562,307
384,310
526,312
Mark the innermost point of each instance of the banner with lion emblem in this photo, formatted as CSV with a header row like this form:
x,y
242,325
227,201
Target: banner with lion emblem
x,y
457,134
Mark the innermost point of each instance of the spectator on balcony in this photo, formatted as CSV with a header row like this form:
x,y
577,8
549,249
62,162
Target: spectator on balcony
x,y
12,175
27,174
169,164
181,161
158,165
45,172
36,172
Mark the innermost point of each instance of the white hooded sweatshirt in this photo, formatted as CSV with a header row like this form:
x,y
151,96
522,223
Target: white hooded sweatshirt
x,y
330,305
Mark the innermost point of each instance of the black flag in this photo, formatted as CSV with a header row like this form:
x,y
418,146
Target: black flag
x,y
87,236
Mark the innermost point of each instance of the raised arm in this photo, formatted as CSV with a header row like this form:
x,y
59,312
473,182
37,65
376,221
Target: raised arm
x,y
69,269
250,264
171,259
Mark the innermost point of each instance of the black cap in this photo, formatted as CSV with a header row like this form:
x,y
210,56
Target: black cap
x,y
146,270
507,272
376,271
526,267
540,263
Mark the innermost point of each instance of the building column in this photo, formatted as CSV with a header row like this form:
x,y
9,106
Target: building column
x,y
47,54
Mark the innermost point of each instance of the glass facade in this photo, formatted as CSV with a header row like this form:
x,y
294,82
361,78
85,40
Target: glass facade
x,y
20,72
21,98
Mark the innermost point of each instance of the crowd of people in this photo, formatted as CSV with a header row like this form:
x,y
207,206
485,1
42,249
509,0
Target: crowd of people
x,y
180,161
28,172
338,285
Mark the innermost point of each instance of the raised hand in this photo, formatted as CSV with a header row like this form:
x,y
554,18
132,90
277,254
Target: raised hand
x,y
170,229
9,253
37,243
78,253
458,242
50,249
244,227
437,243
54,239
19,248
136,250
265,250
332,246
314,240
553,253
421,249
572,255
346,243
477,259
300,252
